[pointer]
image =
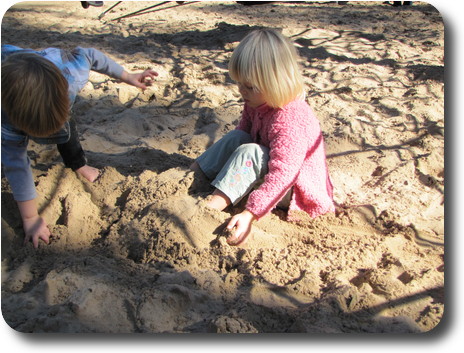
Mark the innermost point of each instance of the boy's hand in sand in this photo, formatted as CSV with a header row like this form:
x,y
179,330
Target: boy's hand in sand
x,y
242,224
141,79
89,173
34,226
35,229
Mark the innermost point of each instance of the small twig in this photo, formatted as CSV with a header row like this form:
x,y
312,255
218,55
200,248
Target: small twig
x,y
111,8
144,11
139,11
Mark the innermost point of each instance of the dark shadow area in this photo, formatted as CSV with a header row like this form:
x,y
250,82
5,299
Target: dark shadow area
x,y
115,43
427,72
147,159
143,271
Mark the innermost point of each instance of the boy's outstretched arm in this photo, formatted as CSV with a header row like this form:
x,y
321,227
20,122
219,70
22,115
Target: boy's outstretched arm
x,y
101,63
34,226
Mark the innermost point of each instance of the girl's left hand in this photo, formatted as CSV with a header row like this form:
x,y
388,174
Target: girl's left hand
x,y
141,79
242,224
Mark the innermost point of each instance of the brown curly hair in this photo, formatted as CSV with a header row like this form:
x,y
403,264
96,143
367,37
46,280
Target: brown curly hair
x,y
34,94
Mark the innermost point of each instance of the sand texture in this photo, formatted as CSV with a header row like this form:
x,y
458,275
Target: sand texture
x,y
138,251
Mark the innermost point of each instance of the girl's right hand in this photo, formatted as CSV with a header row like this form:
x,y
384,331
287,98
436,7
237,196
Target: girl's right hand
x,y
35,229
242,223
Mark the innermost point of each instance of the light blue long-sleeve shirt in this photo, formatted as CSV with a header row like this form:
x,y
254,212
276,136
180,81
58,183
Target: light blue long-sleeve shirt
x,y
75,66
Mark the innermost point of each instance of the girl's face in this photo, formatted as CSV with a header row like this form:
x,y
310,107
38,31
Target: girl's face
x,y
250,95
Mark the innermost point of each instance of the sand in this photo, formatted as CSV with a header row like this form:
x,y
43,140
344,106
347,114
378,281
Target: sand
x,y
138,251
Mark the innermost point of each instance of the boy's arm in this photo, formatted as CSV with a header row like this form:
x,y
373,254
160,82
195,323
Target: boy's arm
x,y
34,226
103,64
16,166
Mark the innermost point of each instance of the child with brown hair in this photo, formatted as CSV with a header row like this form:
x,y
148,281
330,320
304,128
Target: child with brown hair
x,y
38,90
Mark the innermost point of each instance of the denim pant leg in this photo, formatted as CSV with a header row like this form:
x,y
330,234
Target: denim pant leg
x,y
214,158
72,153
244,169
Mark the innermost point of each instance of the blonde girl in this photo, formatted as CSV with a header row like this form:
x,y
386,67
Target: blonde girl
x,y
276,154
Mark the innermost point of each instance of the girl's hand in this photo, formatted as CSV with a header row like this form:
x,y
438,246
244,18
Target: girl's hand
x,y
242,224
35,229
141,80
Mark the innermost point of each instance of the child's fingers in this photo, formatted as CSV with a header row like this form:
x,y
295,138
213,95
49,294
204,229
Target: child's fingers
x,y
35,242
150,73
232,222
147,78
239,236
148,82
46,238
27,239
233,235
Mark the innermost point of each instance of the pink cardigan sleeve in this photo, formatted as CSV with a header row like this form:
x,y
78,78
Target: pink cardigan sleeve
x,y
294,131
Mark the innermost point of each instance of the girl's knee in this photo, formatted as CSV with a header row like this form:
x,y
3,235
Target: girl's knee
x,y
253,149
253,155
241,136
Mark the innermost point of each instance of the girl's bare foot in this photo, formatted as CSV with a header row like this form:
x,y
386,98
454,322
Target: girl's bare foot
x,y
218,200
89,173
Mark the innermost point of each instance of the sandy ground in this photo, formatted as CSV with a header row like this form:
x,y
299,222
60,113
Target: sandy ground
x,y
137,251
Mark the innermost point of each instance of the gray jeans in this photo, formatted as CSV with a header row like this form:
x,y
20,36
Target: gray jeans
x,y
236,165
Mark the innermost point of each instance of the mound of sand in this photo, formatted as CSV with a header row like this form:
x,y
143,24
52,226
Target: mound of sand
x,y
137,251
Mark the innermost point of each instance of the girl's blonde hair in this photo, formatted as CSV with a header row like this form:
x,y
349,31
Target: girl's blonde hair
x,y
268,61
34,94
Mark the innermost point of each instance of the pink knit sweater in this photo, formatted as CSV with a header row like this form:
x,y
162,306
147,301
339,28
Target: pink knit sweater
x,y
297,159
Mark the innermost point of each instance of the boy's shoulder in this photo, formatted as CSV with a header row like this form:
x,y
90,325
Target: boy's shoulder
x,y
8,49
